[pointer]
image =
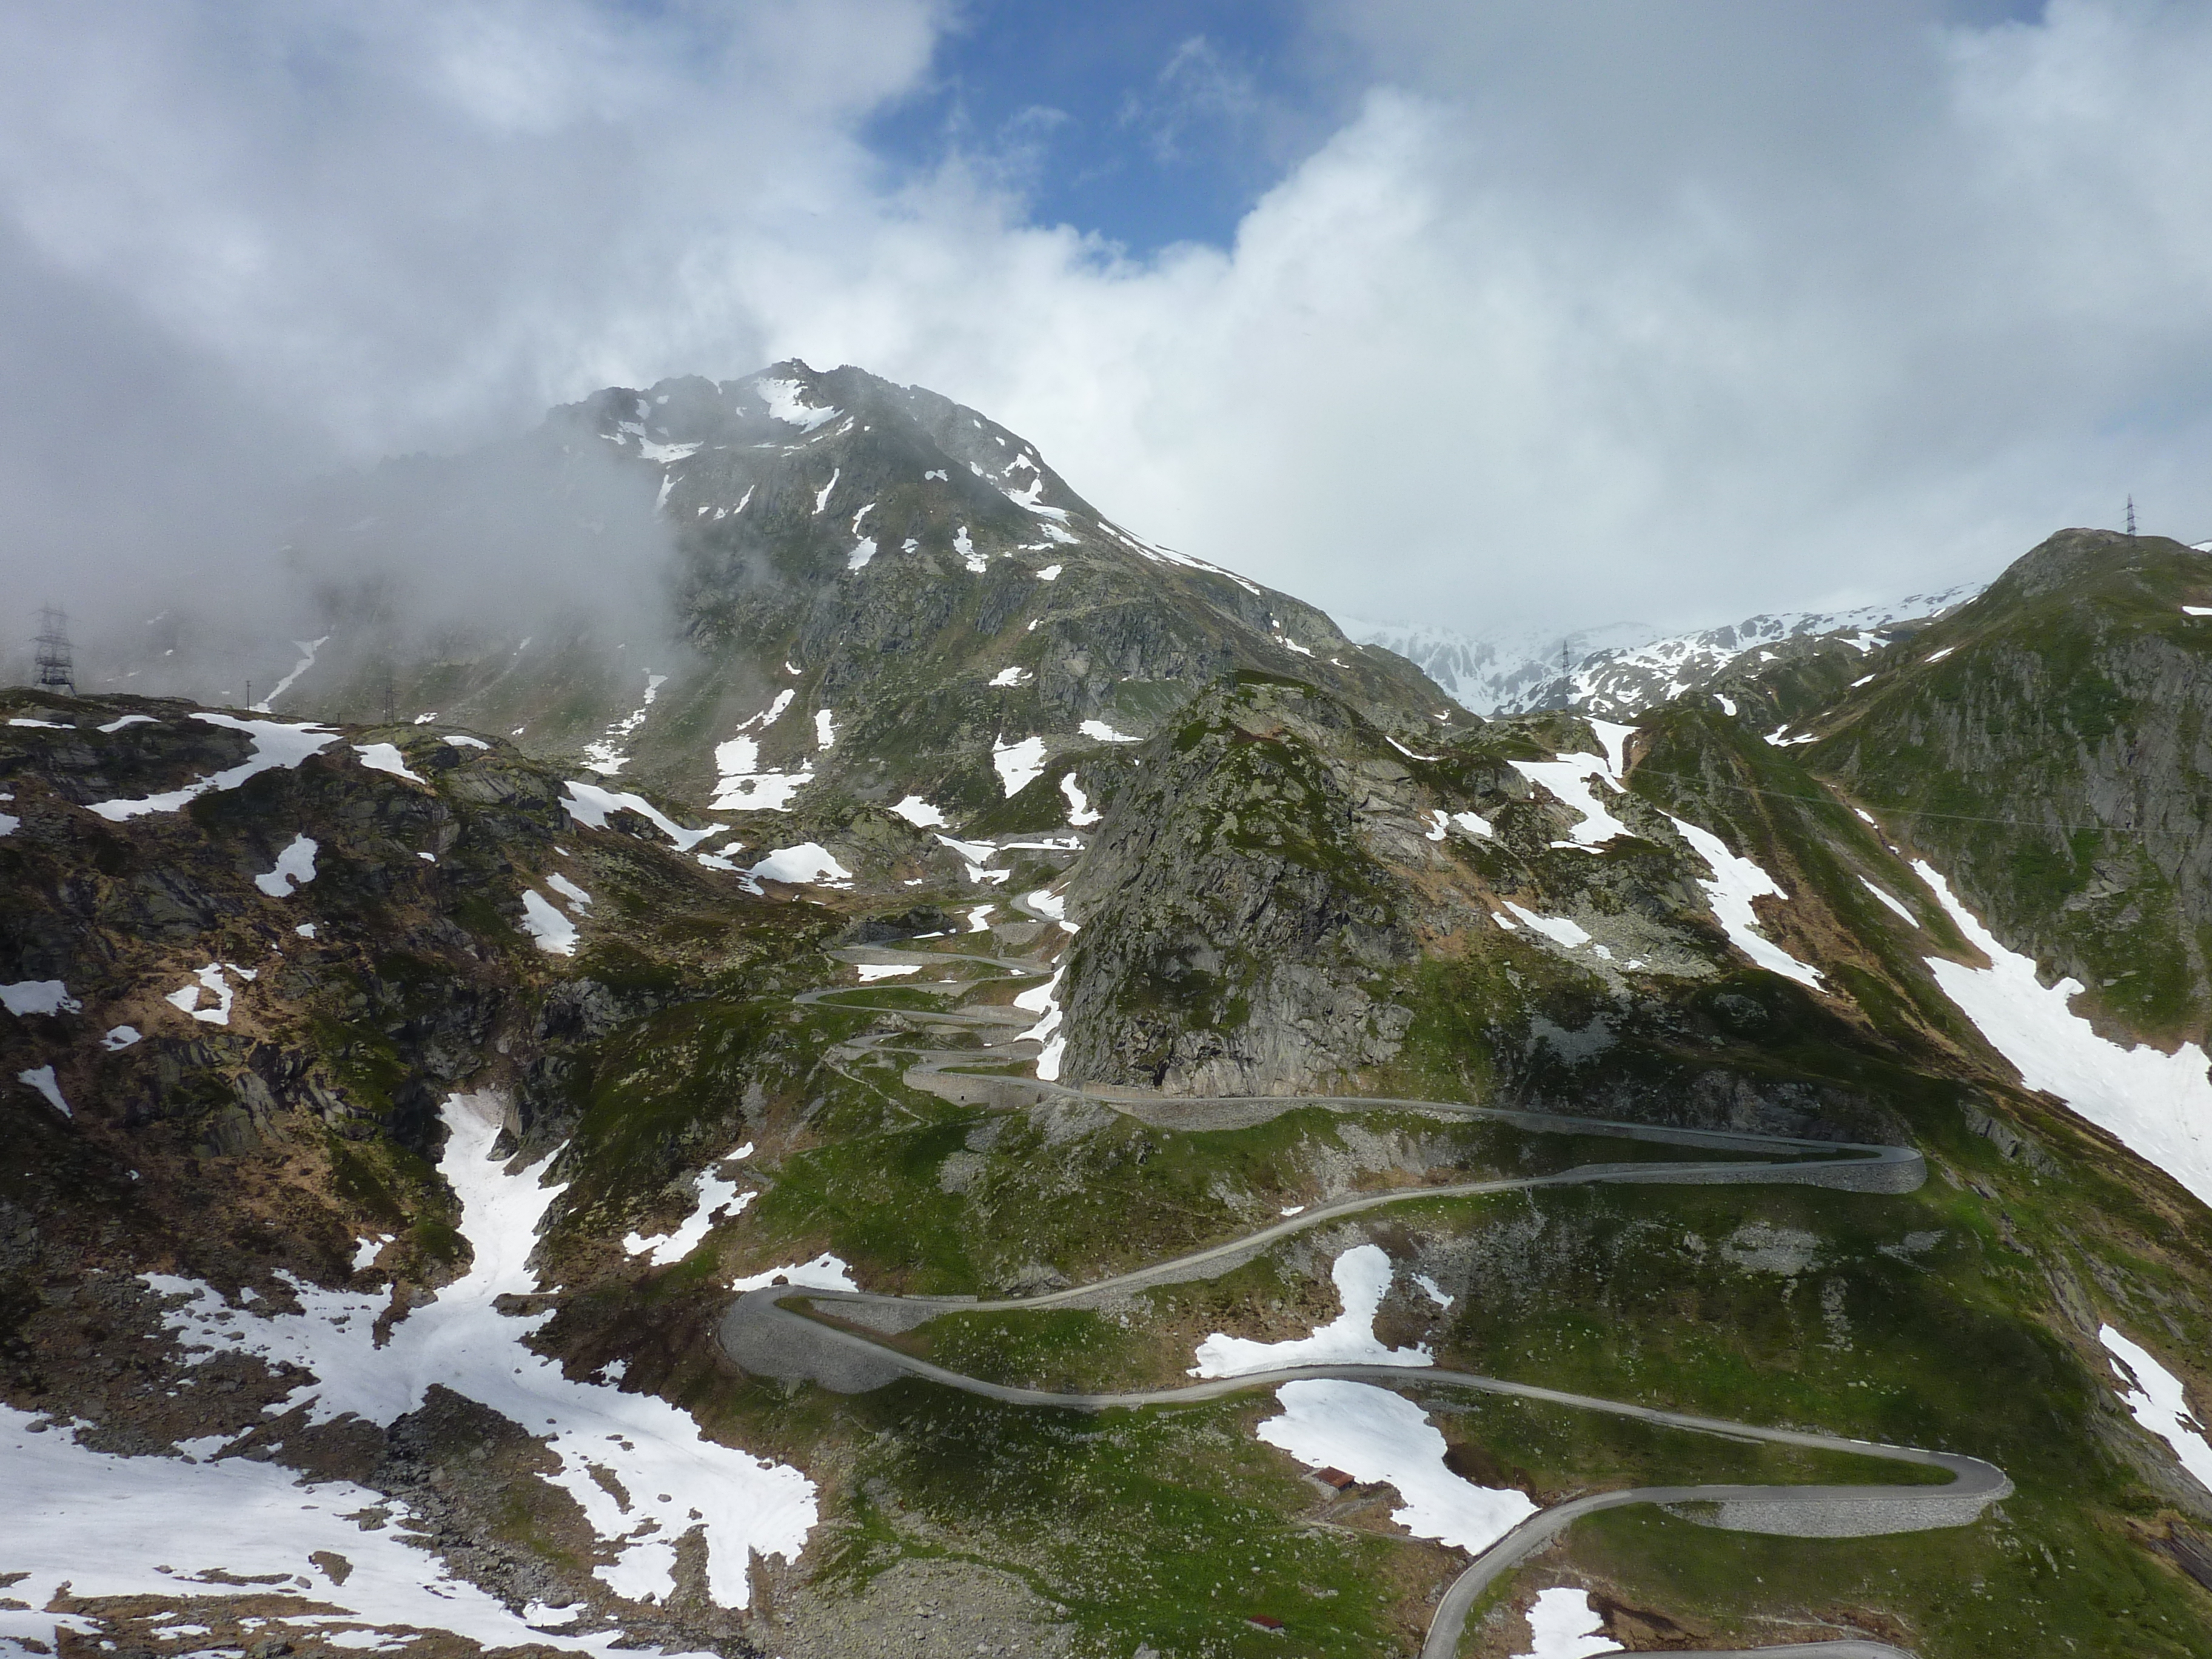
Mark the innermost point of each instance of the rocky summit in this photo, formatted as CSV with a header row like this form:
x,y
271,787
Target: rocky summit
x,y
1016,1092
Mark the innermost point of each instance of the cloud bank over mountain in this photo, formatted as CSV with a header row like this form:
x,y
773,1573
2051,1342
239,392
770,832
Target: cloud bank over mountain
x,y
1564,316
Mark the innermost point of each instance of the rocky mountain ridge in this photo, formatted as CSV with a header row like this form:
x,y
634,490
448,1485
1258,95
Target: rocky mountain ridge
x,y
400,1112
1621,670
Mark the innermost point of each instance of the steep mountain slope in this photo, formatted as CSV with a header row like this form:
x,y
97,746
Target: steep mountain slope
x,y
397,1113
2044,745
877,592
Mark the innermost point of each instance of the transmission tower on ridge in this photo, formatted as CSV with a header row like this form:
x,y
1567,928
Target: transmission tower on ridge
x,y
57,664
2131,518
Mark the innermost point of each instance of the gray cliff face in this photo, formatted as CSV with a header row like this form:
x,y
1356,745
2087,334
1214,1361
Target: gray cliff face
x,y
2052,745
1239,929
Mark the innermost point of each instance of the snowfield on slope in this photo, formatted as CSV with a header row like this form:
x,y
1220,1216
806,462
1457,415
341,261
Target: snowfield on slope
x,y
677,1481
1374,1435
1363,1277
2159,1106
275,744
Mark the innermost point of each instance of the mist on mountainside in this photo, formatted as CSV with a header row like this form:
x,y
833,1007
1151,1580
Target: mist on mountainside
x,y
228,581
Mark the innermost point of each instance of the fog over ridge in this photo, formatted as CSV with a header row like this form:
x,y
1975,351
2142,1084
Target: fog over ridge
x,y
1560,320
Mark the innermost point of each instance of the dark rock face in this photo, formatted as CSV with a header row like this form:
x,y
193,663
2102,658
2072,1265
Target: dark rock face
x,y
1236,919
895,561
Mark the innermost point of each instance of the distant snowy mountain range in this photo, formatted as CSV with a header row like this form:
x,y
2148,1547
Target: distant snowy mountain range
x,y
1623,668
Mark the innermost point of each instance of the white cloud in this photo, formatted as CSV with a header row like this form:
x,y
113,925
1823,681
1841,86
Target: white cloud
x,y
1673,313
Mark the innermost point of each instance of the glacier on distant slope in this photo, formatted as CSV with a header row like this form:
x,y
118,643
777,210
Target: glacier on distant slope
x,y
1624,668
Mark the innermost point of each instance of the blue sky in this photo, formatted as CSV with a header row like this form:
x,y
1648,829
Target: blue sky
x,y
1726,305
1148,123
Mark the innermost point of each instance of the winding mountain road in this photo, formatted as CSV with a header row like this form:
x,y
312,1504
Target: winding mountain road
x,y
765,1334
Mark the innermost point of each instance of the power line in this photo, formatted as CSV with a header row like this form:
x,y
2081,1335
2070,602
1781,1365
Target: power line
x,y
1901,811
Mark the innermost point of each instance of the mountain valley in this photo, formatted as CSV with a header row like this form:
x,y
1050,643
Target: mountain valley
x,y
1017,1091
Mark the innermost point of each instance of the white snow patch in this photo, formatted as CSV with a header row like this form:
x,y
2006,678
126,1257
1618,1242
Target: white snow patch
x,y
978,563
2159,1105
821,497
1473,823
1363,1276
979,919
918,813
606,754
46,725
1080,810
825,1273
2157,1399
787,402
825,729
1888,899
42,1078
1727,704
1558,929
1864,679
2197,610
870,972
579,899
308,649
1938,656
1099,731
120,1037
589,804
212,979
1374,1435
1010,676
1043,1000
677,1480
1570,780
1050,573
462,740
977,854
742,786
38,996
716,1199
808,862
100,1523
386,757
555,933
1565,1623
365,1250
275,744
863,551
146,720
1017,764
296,867
1735,882
664,454
1045,903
